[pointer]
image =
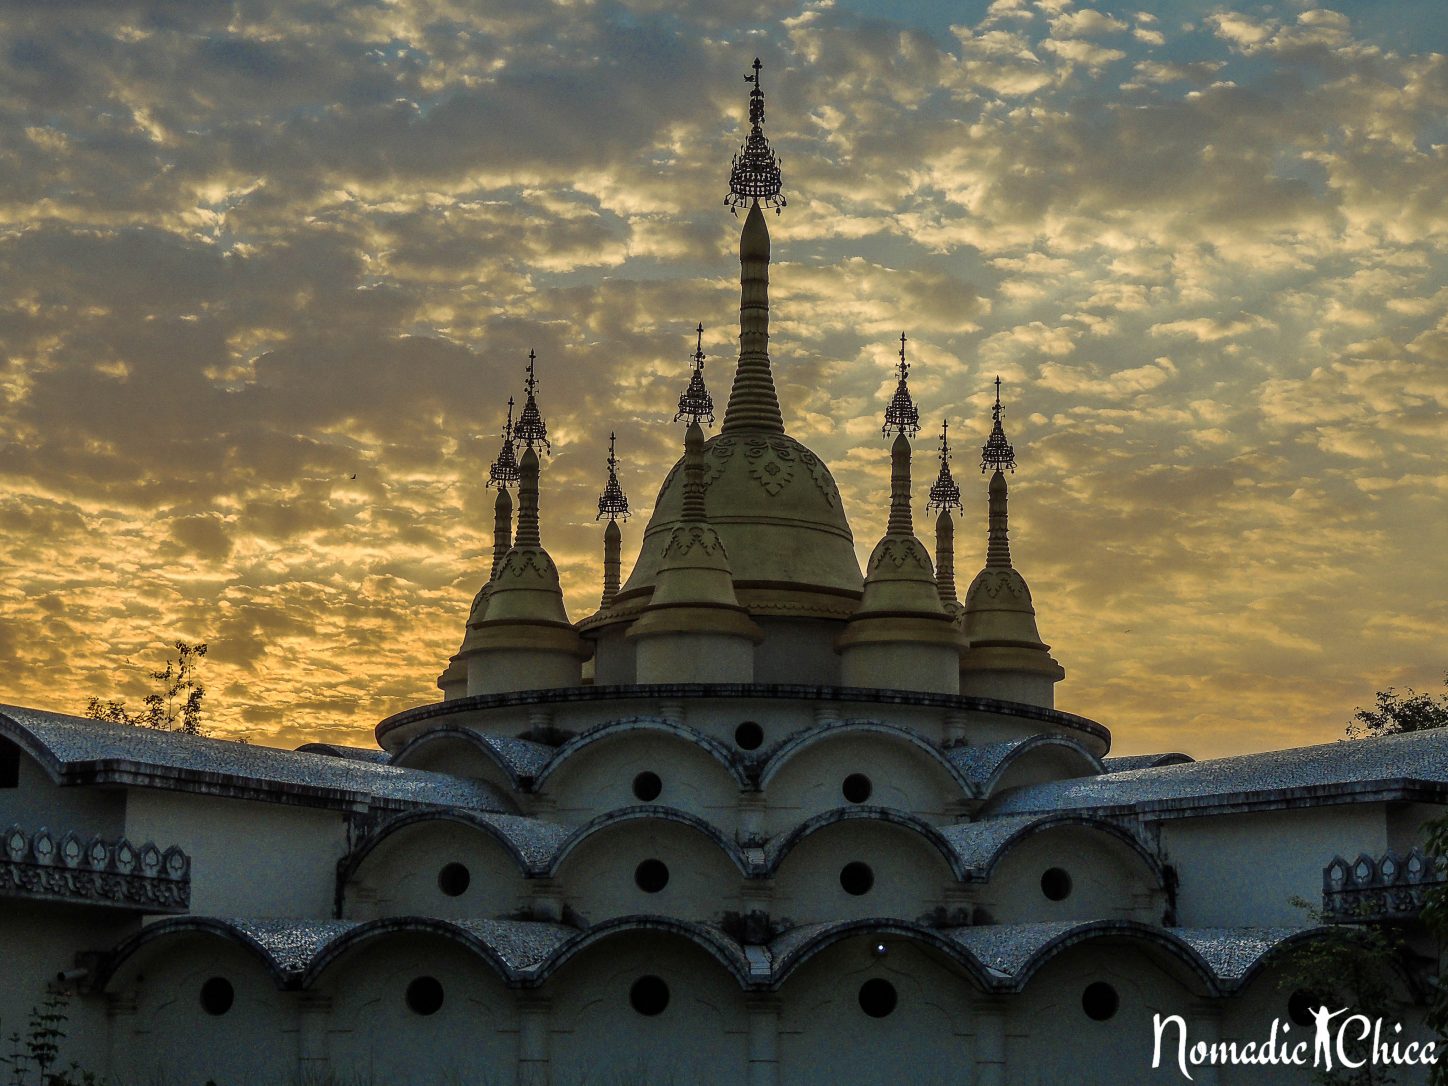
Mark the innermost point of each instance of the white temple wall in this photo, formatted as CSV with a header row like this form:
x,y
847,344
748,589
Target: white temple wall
x,y
695,658
1104,880
1026,687
1405,825
797,650
1266,858
826,1038
933,669
899,776
162,1033
373,1036
601,877
909,876
36,801
247,858
601,777
421,870
596,1037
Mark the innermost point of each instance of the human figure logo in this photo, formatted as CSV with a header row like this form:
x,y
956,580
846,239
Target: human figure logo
x,y
1330,1048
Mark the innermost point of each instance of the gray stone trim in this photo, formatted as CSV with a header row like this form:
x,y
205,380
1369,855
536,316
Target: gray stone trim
x,y
115,874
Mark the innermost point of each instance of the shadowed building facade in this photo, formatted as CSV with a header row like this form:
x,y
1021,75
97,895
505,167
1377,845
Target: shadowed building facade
x,y
764,817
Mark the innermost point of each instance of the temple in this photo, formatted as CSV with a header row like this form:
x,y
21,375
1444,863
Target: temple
x,y
762,817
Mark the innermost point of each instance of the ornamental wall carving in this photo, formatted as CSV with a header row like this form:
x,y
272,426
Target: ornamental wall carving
x,y
94,871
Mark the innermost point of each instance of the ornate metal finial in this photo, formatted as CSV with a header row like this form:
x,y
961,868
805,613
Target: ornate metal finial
x,y
504,471
946,492
754,175
696,405
531,430
901,415
613,502
997,452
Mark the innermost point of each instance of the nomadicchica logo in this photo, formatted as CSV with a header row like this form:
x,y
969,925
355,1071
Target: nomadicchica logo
x,y
1339,1040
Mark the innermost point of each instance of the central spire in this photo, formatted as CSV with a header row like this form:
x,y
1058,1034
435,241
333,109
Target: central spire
x,y
753,402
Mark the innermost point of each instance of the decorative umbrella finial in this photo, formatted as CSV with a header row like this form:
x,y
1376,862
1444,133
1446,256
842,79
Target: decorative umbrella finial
x,y
754,176
695,404
997,452
531,430
613,502
504,470
946,492
901,415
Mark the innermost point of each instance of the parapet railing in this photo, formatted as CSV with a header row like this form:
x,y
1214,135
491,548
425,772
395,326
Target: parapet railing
x,y
1388,887
97,871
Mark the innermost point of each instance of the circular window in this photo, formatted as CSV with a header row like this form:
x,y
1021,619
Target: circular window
x,y
647,786
424,996
1056,884
1301,1004
1100,1001
649,996
749,735
857,788
453,880
878,997
217,996
651,876
856,878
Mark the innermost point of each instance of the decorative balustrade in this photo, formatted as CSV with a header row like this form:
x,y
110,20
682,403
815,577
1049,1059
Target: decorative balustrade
x,y
1391,887
94,872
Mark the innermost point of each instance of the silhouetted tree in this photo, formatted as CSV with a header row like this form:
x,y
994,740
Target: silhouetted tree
x,y
1396,713
175,707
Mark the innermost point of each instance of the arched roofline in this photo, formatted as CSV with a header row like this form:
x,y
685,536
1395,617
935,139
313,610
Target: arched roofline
x,y
176,926
1147,934
1080,820
644,813
468,737
785,966
719,946
1028,748
806,740
777,853
33,747
372,930
1274,953
613,728
395,825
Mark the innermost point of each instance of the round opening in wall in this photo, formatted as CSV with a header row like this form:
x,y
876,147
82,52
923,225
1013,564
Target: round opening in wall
x,y
217,996
1056,884
878,997
749,736
647,786
453,880
1100,1001
649,996
1301,1004
856,878
651,876
424,996
857,788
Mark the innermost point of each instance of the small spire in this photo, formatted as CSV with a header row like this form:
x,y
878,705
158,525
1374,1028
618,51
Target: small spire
x,y
504,470
997,452
502,529
694,469
695,404
754,175
901,414
945,493
527,501
945,559
901,520
531,430
613,502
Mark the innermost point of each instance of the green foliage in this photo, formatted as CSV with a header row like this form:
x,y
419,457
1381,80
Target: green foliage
x,y
178,700
1397,713
32,1056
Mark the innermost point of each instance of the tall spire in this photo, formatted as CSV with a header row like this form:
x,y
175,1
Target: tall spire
x,y
901,414
901,522
695,403
504,470
997,452
754,175
753,403
613,502
531,430
945,492
527,501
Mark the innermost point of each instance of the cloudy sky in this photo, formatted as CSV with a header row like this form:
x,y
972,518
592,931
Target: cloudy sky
x,y
270,270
